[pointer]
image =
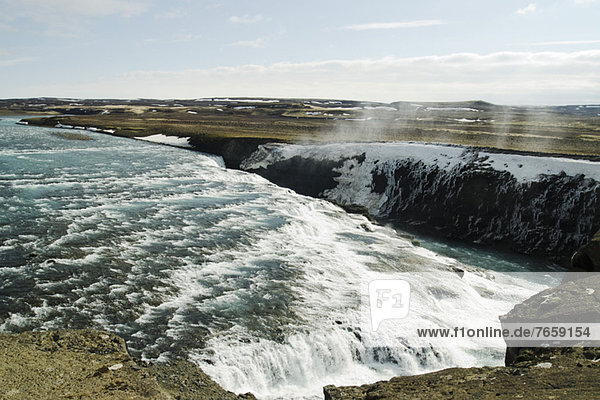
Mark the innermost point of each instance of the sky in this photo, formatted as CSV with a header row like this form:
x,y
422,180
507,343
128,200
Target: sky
x,y
503,51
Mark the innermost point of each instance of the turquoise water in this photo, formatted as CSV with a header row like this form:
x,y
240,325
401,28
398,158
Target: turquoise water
x,y
487,258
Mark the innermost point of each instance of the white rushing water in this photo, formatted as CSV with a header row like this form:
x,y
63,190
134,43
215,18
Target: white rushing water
x,y
263,288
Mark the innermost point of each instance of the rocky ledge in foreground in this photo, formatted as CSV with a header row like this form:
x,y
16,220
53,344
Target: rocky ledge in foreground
x,y
93,364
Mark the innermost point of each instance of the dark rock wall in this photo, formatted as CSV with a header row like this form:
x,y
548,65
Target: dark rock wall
x,y
304,175
587,259
233,150
550,217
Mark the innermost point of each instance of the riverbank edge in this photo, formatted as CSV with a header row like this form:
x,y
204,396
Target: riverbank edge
x,y
95,364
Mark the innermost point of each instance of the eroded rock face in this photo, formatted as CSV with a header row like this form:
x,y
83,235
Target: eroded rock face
x,y
233,150
307,175
574,301
551,216
303,175
93,365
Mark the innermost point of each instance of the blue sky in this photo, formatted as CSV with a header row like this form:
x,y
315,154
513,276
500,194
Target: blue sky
x,y
505,51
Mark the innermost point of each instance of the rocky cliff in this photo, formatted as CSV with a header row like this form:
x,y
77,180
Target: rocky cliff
x,y
545,206
587,259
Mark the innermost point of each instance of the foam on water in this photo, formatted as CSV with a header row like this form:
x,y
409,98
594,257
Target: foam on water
x,y
259,286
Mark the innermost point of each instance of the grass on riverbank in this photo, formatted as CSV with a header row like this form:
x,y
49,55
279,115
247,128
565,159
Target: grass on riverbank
x,y
566,130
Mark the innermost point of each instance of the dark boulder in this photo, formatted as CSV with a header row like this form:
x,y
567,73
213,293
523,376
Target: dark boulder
x,y
587,259
575,301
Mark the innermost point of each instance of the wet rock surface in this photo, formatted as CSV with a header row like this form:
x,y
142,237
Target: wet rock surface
x,y
575,301
233,150
94,365
303,175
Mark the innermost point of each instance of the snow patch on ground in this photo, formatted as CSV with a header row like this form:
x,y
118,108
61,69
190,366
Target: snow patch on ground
x,y
170,140
228,100
387,108
451,109
522,167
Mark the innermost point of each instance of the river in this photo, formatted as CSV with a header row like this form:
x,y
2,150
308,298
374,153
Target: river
x,y
261,287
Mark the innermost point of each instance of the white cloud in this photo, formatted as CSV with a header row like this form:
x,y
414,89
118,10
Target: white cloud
x,y
584,1
394,25
40,9
503,77
249,43
566,42
171,14
526,10
247,19
7,28
68,18
213,5
175,38
14,61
